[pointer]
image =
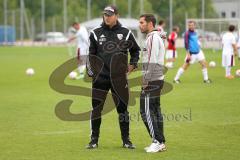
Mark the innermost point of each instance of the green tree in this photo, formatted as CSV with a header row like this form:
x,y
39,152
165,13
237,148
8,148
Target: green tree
x,y
180,8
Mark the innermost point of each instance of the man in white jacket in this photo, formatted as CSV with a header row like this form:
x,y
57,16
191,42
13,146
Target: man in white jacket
x,y
153,80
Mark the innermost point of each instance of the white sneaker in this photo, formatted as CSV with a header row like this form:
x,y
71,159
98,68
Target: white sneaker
x,y
156,147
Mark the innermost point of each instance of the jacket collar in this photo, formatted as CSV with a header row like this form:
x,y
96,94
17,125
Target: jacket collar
x,y
152,32
117,26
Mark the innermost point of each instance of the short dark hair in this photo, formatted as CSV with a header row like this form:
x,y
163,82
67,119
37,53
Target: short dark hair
x,y
231,28
175,28
161,22
74,23
191,21
149,18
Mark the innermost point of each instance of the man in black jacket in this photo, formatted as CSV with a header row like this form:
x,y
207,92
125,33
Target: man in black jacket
x,y
108,57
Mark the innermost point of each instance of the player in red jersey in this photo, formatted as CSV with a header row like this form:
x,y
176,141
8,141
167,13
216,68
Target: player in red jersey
x,y
171,53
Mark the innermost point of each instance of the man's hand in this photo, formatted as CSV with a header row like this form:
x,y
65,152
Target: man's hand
x,y
130,68
144,84
71,39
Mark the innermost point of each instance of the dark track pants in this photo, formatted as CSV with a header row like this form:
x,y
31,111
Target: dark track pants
x,y
120,95
150,110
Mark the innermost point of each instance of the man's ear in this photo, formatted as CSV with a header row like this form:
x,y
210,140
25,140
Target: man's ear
x,y
152,24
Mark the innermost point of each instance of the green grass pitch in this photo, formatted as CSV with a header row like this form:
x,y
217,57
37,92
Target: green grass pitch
x,y
209,126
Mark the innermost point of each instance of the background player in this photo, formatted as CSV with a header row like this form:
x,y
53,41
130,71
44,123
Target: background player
x,y
160,29
229,48
171,53
82,46
194,54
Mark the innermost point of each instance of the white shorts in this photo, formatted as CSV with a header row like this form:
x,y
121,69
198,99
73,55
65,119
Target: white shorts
x,y
228,60
171,54
196,57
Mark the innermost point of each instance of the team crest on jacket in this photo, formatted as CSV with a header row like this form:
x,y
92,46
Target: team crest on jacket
x,y
102,39
120,36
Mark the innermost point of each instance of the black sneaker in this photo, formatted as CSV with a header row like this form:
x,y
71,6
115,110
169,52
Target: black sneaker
x,y
128,144
176,81
93,144
207,81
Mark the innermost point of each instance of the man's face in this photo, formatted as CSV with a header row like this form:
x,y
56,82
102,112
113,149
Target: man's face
x,y
143,25
191,26
110,20
76,26
177,30
163,25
